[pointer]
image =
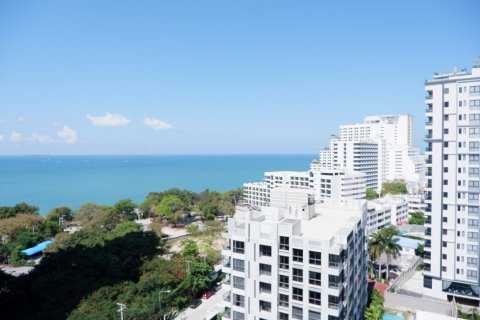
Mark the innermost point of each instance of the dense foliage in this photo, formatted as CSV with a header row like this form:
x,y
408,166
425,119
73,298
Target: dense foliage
x,y
382,241
394,188
371,194
374,310
417,217
85,274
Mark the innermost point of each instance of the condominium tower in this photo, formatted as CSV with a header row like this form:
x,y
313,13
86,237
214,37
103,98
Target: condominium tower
x,y
296,259
453,186
381,147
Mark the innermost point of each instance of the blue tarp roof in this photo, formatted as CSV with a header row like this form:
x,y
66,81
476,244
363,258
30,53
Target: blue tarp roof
x,y
408,243
38,248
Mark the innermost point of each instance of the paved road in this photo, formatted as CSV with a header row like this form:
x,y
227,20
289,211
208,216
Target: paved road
x,y
203,309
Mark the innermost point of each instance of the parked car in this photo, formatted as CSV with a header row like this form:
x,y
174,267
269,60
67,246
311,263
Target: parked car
x,y
195,303
207,294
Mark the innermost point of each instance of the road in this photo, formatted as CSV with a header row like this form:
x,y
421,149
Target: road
x,y
200,313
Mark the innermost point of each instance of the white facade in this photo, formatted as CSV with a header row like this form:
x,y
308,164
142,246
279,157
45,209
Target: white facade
x,y
416,203
300,261
396,159
453,185
322,184
256,193
386,211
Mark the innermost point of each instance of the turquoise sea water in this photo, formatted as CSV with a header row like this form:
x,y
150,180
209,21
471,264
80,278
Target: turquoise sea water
x,y
52,181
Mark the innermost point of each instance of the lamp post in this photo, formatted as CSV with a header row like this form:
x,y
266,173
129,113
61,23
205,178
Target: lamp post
x,y
160,301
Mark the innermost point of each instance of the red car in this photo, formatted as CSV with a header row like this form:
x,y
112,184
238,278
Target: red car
x,y
207,295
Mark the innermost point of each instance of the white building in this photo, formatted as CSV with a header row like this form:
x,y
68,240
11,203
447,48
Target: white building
x,y
453,185
322,183
416,203
386,211
387,140
300,261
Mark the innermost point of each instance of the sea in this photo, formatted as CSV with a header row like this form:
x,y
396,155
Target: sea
x,y
53,181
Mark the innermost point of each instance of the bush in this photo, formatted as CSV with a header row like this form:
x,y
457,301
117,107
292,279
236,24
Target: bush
x,y
192,228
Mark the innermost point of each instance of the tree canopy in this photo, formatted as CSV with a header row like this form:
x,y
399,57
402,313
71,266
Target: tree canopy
x,y
394,188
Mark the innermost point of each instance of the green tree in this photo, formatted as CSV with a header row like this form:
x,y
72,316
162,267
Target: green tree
x,y
371,194
189,249
126,208
169,205
89,214
226,208
209,210
55,214
417,217
199,276
125,227
392,249
394,188
375,249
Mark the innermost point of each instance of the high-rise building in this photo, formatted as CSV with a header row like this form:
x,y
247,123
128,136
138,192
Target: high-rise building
x,y
321,182
381,147
453,185
296,259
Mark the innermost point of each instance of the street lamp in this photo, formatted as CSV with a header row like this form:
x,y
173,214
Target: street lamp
x,y
160,301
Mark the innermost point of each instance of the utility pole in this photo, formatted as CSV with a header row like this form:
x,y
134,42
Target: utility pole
x,y
160,301
122,307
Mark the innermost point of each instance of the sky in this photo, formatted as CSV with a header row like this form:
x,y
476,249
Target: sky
x,y
217,77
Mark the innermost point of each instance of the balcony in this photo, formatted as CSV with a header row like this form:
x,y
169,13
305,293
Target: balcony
x,y
429,95
226,296
428,136
428,149
428,122
428,109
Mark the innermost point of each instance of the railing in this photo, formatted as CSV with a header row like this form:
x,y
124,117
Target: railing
x,y
427,109
283,303
428,136
333,285
333,305
335,265
428,123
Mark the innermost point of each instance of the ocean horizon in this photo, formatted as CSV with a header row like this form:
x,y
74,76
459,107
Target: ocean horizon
x,y
50,181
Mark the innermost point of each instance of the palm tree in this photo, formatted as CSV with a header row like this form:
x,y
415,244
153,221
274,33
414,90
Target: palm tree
x,y
391,249
473,313
375,248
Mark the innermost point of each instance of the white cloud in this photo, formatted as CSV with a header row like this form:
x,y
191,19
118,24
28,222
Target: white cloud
x,y
1,137
15,136
41,139
22,119
109,119
68,135
157,124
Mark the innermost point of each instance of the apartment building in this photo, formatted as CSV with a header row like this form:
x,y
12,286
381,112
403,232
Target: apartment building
x,y
385,140
386,211
296,259
322,183
453,186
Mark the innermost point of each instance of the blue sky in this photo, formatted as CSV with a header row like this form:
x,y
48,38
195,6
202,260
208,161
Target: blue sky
x,y
199,77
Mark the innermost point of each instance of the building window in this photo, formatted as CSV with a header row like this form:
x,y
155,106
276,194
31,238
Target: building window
x,y
446,104
472,274
282,316
297,255
238,246
238,265
237,315
284,262
265,287
265,269
297,275
314,297
297,313
314,315
283,300
315,278
315,257
265,306
265,251
297,294
284,243
283,281
238,300
239,283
